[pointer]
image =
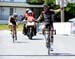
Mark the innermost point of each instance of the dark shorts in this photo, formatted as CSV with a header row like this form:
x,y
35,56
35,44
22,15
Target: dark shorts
x,y
49,25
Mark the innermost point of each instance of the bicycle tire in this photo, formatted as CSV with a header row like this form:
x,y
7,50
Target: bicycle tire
x,y
13,40
12,36
49,41
48,47
49,51
16,36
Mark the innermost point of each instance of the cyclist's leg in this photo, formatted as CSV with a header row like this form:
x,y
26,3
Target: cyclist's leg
x,y
35,29
51,36
48,35
43,29
23,29
51,32
10,27
14,31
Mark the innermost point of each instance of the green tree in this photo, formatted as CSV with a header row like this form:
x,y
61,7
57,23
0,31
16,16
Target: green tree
x,y
70,11
35,1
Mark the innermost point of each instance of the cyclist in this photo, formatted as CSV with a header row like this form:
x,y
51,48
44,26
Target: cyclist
x,y
25,18
26,13
31,18
12,23
47,14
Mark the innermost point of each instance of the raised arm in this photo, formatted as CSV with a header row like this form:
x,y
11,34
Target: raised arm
x,y
58,10
40,17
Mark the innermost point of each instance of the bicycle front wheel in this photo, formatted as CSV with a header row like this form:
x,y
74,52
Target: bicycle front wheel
x,y
48,45
49,51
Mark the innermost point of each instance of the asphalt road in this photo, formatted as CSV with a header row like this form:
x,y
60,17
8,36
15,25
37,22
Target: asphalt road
x,y
25,48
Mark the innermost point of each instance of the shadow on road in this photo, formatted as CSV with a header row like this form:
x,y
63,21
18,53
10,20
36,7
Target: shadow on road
x,y
37,39
20,42
62,54
52,54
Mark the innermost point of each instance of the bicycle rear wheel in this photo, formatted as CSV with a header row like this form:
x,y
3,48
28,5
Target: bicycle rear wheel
x,y
13,36
49,51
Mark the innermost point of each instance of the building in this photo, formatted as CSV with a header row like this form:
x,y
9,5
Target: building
x,y
8,7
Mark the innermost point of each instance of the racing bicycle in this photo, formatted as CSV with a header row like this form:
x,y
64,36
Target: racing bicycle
x,y
48,38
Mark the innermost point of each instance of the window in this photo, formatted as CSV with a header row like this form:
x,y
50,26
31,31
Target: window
x,y
11,11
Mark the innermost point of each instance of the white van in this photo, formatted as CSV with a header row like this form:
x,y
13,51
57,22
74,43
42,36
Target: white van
x,y
73,25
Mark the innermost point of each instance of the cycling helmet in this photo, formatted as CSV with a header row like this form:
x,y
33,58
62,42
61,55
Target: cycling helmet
x,y
29,11
15,14
45,6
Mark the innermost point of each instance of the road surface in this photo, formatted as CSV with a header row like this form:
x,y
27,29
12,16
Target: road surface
x,y
24,48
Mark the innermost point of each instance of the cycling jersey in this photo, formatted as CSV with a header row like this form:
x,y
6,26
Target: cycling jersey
x,y
13,21
30,18
47,17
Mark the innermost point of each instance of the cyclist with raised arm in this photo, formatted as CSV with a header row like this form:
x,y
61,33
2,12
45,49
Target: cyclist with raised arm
x,y
12,23
48,22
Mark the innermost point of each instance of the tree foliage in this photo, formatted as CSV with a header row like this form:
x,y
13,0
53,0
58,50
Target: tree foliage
x,y
35,1
69,10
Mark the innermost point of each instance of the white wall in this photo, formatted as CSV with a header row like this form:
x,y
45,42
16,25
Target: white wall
x,y
20,11
63,28
6,11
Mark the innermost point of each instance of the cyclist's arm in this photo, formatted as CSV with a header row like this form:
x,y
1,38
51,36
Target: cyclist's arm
x,y
40,17
58,10
22,18
9,20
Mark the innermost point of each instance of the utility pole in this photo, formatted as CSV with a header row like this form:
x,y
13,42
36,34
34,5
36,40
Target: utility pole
x,y
62,10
